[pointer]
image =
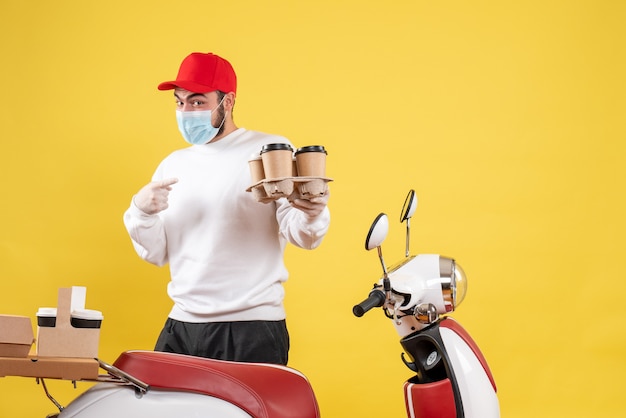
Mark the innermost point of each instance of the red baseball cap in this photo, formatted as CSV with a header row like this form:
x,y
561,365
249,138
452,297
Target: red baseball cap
x,y
203,73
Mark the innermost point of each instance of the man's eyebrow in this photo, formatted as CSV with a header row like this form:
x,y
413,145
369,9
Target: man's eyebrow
x,y
191,96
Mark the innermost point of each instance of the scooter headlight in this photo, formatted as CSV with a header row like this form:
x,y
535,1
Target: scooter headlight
x,y
460,287
453,283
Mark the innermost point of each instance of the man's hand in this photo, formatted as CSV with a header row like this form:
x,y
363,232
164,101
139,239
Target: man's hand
x,y
152,198
312,208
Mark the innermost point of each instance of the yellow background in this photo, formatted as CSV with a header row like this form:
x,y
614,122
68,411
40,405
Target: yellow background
x,y
507,118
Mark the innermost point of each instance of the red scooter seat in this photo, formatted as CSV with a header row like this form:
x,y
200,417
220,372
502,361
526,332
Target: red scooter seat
x,y
262,390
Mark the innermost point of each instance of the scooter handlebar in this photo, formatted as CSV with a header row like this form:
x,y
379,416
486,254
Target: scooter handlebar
x,y
375,299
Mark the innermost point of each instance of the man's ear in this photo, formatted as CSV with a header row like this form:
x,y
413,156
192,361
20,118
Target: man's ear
x,y
229,101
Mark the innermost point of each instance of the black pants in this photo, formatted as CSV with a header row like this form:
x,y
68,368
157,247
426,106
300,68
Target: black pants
x,y
245,341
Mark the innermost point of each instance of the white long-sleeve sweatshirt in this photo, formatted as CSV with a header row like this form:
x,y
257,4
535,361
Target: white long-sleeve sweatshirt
x,y
224,249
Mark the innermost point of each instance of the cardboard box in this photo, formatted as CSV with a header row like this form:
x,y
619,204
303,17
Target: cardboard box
x,y
16,336
63,339
50,367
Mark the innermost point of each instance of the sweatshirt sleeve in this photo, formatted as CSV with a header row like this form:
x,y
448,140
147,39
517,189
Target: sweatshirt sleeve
x,y
298,229
147,235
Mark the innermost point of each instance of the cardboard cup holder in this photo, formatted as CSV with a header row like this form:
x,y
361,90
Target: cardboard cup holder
x,y
269,190
277,172
69,330
277,188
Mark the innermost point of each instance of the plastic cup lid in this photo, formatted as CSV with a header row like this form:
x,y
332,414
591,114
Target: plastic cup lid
x,y
87,314
47,312
312,148
276,147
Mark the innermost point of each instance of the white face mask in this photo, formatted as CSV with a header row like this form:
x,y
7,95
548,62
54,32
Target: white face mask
x,y
196,127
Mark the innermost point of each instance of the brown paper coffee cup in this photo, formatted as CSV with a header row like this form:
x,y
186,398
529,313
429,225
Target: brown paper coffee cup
x,y
311,161
277,160
256,169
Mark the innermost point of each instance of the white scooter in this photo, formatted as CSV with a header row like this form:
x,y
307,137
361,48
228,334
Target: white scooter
x,y
452,379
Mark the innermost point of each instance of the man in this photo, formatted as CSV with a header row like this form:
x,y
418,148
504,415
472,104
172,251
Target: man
x,y
224,249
